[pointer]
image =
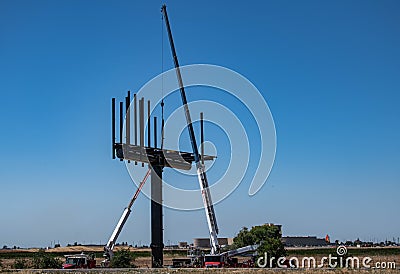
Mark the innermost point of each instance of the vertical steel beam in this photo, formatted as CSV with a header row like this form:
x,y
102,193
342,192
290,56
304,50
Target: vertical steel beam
x,y
141,122
157,244
141,125
148,124
113,126
202,137
135,119
121,122
128,118
155,132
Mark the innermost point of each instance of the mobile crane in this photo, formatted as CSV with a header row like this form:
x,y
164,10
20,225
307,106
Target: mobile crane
x,y
108,249
201,174
215,258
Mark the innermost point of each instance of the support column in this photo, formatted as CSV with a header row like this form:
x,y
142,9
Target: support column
x,y
157,245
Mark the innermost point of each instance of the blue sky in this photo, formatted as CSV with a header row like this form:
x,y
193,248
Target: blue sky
x,y
330,72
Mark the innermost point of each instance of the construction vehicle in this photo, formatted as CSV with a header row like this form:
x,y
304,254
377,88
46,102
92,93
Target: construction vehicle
x,y
226,259
215,258
79,261
108,248
201,174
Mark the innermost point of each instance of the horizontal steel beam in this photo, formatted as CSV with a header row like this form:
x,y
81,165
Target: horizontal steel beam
x,y
155,156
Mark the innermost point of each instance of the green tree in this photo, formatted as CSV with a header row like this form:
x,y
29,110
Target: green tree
x,y
43,260
122,259
267,237
273,247
244,238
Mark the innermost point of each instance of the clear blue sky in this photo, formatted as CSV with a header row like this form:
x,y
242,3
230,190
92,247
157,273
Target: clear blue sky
x,y
329,70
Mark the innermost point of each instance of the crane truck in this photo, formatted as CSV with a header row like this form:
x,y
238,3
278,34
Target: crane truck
x,y
88,261
201,174
79,261
215,258
108,248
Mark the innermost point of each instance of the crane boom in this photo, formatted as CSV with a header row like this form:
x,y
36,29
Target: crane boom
x,y
201,174
108,249
240,250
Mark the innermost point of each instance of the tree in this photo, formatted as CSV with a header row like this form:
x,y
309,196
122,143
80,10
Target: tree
x,y
273,247
244,238
122,259
42,260
268,237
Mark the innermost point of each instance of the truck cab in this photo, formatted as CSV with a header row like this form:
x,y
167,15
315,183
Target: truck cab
x,y
79,261
214,261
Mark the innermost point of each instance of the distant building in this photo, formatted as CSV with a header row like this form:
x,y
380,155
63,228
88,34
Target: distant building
x,y
183,245
304,241
205,242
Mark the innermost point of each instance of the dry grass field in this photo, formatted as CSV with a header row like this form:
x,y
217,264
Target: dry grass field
x,y
143,261
206,271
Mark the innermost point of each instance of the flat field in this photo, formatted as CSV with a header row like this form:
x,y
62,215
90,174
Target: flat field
x,y
142,260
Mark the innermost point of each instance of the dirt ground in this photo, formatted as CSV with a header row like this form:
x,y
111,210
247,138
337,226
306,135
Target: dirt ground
x,y
208,271
145,262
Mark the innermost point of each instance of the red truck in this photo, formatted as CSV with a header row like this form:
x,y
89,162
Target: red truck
x,y
217,261
79,261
